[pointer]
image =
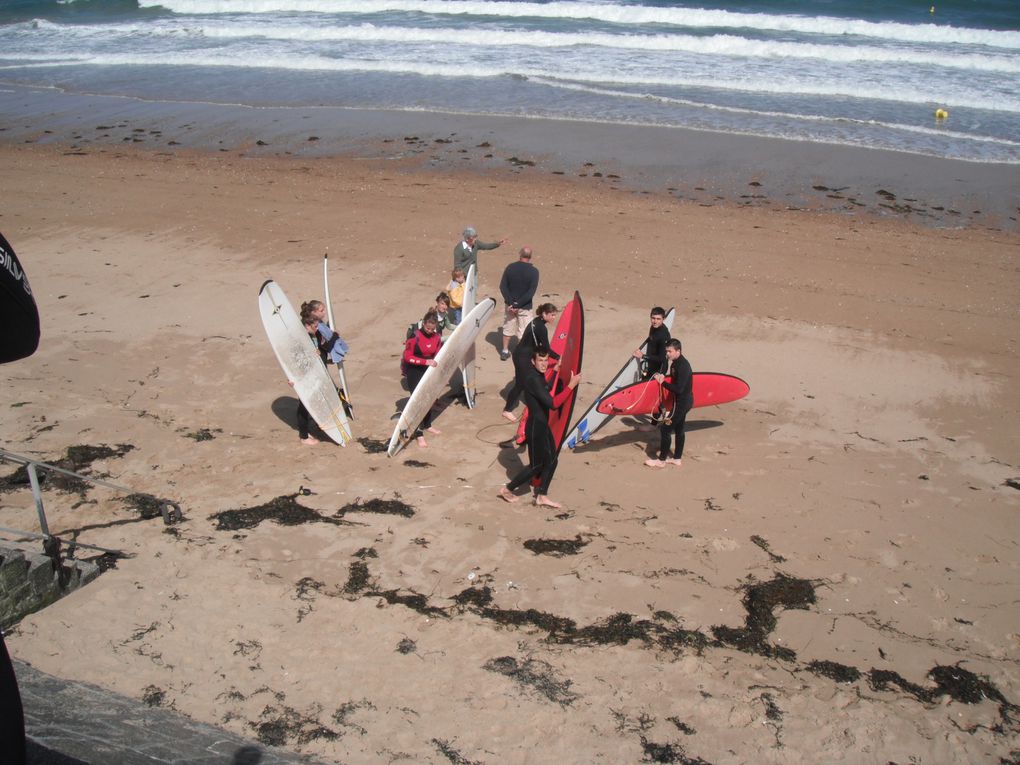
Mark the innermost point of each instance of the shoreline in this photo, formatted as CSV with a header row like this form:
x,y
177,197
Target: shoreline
x,y
701,167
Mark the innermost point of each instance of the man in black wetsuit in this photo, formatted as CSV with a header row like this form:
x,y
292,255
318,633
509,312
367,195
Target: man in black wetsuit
x,y
678,371
542,452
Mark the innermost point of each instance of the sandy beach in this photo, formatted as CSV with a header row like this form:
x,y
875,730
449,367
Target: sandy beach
x,y
832,576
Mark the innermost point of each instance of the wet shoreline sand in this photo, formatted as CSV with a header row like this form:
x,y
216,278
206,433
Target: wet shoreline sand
x,y
829,577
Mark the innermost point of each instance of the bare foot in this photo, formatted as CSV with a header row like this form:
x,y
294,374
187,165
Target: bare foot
x,y
510,416
506,495
310,441
543,501
422,443
655,463
434,431
674,461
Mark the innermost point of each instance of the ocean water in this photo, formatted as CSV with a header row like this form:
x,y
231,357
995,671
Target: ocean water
x,y
865,73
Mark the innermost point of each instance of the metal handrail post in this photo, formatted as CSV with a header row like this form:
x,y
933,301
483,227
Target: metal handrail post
x,y
37,493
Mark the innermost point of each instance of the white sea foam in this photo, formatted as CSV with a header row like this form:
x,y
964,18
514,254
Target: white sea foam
x,y
617,14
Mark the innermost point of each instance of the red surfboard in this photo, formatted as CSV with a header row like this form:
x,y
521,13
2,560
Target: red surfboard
x,y
710,388
568,341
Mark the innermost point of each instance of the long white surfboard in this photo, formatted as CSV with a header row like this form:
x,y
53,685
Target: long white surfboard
x,y
467,364
345,391
592,419
301,362
437,377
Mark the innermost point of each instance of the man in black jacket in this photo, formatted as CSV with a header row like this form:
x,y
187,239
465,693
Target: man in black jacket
x,y
518,287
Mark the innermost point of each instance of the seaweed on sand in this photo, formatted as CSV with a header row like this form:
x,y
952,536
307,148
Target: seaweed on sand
x,y
761,601
284,510
536,675
381,506
556,547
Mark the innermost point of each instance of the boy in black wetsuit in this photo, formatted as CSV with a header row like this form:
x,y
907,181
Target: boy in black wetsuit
x,y
654,354
535,338
542,451
678,370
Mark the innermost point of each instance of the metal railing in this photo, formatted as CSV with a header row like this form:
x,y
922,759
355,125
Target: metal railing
x,y
170,510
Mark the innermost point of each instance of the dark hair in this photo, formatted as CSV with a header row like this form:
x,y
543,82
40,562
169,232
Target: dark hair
x,y
658,311
547,308
675,344
443,297
540,352
430,315
307,308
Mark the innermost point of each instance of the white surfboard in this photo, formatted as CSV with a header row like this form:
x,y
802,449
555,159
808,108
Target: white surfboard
x,y
592,419
437,377
467,364
345,391
301,362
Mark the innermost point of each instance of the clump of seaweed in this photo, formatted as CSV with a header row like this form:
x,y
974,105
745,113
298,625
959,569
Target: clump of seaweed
x,y
446,749
472,596
954,681
357,578
203,434
406,646
373,445
285,724
382,506
510,617
153,696
556,547
761,601
536,675
413,600
618,629
841,673
418,464
284,510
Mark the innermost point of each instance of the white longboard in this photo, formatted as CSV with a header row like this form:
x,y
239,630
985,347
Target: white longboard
x,y
467,364
301,362
592,419
437,377
345,391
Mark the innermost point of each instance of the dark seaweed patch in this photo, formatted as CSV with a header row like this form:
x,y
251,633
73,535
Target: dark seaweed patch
x,y
761,601
446,749
382,506
366,552
959,684
514,618
357,578
764,545
284,510
373,445
413,600
618,629
285,724
556,547
473,597
203,434
418,464
536,675
681,726
406,646
153,696
841,673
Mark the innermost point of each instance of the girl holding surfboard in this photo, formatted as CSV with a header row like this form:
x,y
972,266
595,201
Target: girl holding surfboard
x,y
420,352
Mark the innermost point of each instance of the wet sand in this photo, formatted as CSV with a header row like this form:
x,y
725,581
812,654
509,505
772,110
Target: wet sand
x,y
831,575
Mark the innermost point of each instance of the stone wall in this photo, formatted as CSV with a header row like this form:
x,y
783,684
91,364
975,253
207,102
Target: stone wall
x,y
29,581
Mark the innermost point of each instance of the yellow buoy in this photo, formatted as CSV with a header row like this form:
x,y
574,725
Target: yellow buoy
x,y
941,114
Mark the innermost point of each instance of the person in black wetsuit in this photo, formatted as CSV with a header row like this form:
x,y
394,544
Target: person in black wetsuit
x,y
654,354
535,337
678,370
542,451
